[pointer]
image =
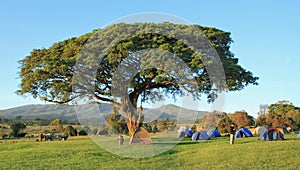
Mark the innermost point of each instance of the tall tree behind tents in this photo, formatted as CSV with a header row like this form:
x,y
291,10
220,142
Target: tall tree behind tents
x,y
261,120
48,73
117,122
242,119
224,124
283,114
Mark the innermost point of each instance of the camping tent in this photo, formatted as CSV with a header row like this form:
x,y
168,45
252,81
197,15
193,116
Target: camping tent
x,y
283,130
200,135
243,132
272,134
141,136
213,133
184,132
260,130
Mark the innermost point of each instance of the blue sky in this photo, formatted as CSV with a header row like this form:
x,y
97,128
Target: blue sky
x,y
266,39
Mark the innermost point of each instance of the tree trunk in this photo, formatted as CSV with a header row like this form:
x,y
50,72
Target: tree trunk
x,y
134,118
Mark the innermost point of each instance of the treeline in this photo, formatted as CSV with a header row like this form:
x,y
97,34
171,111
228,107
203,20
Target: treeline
x,y
281,114
33,122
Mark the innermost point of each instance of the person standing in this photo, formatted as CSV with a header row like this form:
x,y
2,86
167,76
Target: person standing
x,y
232,133
121,140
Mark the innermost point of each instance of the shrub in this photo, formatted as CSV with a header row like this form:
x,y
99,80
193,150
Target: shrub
x,y
82,132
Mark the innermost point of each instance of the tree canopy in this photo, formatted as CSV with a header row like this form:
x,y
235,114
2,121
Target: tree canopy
x,y
283,114
48,73
58,125
242,119
280,114
16,127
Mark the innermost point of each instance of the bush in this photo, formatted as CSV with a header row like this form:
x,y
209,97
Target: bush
x,y
70,130
103,132
16,127
82,132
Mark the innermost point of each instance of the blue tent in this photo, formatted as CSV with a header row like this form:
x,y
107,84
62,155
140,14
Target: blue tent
x,y
213,133
200,135
185,133
189,133
243,132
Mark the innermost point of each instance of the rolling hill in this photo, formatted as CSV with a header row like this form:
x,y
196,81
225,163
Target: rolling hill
x,y
67,112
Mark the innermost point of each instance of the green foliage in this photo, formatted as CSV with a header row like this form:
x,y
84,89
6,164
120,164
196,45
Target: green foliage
x,y
224,124
82,132
16,127
241,119
85,131
117,122
47,73
283,114
155,129
162,126
58,124
70,130
147,127
261,120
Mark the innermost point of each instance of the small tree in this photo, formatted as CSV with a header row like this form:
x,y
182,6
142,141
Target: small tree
x,y
117,122
261,120
154,130
162,126
16,127
58,124
147,127
82,132
70,130
242,119
224,124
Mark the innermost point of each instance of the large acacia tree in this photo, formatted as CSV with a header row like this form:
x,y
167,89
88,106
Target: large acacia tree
x,y
48,73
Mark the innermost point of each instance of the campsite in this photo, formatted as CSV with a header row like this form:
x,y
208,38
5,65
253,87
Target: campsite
x,y
144,85
82,153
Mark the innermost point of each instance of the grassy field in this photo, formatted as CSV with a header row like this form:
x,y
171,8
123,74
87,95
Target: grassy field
x,y
83,153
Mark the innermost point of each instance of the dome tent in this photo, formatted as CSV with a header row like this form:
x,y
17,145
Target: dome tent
x,y
260,130
184,132
200,135
272,134
243,132
141,136
213,133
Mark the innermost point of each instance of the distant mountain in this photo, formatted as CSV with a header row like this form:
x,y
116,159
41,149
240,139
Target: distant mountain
x,y
48,111
67,112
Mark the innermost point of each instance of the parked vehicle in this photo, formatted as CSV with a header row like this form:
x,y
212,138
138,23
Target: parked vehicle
x,y
55,136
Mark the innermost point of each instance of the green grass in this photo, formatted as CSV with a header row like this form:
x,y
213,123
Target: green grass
x,y
82,153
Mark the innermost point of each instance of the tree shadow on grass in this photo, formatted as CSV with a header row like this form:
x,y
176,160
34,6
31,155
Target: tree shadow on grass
x,y
179,143
169,152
